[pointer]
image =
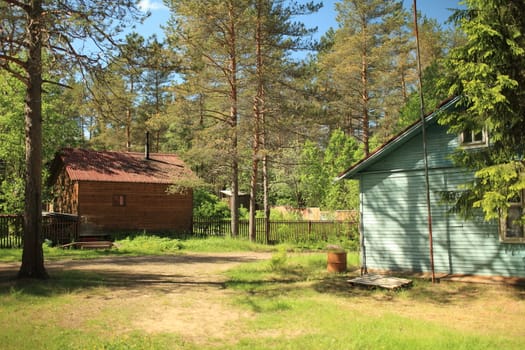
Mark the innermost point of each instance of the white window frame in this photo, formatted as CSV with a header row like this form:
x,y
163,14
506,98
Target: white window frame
x,y
484,142
520,207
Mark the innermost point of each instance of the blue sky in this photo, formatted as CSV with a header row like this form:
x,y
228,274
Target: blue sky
x,y
323,19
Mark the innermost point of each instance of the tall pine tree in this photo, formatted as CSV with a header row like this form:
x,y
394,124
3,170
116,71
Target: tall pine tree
x,y
487,72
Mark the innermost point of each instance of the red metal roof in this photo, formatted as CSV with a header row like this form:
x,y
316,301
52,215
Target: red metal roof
x,y
89,165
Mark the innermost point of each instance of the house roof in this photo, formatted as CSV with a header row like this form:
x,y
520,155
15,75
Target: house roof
x,y
107,166
397,141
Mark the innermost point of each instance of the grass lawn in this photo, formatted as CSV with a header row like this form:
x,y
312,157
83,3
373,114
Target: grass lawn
x,y
214,301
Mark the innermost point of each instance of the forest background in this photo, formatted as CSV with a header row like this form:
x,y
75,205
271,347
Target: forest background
x,y
226,90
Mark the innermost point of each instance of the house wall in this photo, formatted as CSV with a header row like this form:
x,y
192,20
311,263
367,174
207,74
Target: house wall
x,y
148,207
394,217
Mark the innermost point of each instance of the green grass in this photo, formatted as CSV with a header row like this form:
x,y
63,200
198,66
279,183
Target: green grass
x,y
140,245
286,302
304,308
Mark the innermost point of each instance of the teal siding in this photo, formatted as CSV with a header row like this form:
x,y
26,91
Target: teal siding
x,y
394,217
410,154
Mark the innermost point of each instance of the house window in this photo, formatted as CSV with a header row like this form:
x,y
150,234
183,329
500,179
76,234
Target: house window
x,y
471,138
512,230
119,200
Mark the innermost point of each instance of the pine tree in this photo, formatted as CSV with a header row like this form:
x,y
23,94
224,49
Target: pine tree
x,y
487,72
358,61
210,38
28,29
276,36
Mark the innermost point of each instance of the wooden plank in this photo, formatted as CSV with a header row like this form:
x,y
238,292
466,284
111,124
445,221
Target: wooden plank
x,y
386,282
90,245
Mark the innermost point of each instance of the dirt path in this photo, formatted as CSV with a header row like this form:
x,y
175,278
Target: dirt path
x,y
182,294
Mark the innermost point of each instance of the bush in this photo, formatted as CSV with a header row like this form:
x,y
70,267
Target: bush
x,y
208,205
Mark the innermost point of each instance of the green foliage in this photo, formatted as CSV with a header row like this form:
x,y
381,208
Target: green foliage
x,y
320,167
146,244
208,205
224,244
484,72
60,128
495,187
313,176
278,260
433,94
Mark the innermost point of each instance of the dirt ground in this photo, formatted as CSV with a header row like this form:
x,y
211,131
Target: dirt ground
x,y
186,295
182,294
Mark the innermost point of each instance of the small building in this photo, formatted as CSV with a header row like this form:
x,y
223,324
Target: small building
x,y
121,191
243,198
393,211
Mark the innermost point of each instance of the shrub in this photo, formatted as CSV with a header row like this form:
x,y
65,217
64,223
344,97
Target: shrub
x,y
208,205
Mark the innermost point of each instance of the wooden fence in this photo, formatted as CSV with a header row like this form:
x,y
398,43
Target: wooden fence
x,y
56,228
11,231
279,231
59,229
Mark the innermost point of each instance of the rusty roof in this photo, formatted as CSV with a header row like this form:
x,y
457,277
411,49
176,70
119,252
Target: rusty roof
x,y
108,166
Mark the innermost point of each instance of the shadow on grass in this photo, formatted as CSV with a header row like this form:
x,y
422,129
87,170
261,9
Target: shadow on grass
x,y
170,273
422,290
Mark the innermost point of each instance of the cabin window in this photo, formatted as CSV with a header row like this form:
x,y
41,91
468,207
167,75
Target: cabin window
x,y
119,200
512,230
473,138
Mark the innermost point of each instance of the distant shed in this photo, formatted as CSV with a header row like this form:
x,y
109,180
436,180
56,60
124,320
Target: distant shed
x,y
121,191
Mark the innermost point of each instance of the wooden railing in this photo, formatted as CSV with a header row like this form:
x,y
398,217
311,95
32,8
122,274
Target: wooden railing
x,y
279,231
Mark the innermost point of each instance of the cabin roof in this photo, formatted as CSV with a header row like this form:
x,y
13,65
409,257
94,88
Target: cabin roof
x,y
109,166
397,141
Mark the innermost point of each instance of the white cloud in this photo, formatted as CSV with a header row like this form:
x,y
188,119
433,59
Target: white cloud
x,y
151,5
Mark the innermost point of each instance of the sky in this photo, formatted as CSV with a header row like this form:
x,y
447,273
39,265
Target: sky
x,y
323,19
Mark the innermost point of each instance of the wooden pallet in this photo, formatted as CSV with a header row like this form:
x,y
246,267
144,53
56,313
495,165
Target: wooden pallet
x,y
90,245
386,282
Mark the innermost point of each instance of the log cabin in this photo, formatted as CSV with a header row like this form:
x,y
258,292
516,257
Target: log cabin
x,y
121,191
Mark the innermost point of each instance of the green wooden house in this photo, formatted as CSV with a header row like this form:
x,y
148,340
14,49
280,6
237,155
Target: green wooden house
x,y
393,210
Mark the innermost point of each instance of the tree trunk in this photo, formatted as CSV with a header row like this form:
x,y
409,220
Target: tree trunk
x,y
266,195
364,93
258,103
233,125
128,130
33,255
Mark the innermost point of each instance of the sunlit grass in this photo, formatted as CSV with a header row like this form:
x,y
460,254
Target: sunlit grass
x,y
289,301
300,306
145,244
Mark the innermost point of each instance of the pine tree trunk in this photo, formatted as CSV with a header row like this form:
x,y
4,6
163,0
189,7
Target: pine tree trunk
x,y
233,125
32,255
266,195
364,94
258,104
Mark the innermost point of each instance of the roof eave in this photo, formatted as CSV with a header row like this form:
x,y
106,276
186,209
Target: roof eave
x,y
395,142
